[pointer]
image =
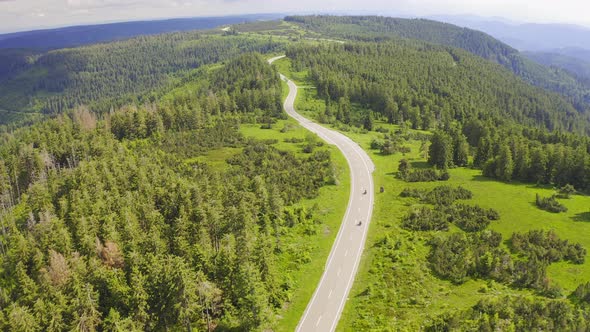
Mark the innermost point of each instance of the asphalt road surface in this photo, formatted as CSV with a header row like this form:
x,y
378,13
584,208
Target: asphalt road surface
x,y
325,307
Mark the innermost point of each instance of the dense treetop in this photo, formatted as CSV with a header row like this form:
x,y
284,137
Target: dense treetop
x,y
426,84
112,225
376,28
107,75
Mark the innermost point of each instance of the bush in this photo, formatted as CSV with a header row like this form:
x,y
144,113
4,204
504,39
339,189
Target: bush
x,y
405,149
425,219
566,191
308,148
471,218
444,176
294,140
388,148
426,175
547,246
550,204
376,144
446,195
582,293
412,192
477,255
510,313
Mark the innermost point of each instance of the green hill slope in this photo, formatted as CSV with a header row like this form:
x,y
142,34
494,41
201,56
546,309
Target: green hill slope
x,y
430,85
109,75
374,28
168,216
577,67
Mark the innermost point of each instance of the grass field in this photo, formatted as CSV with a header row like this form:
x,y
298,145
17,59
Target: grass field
x,y
416,295
395,289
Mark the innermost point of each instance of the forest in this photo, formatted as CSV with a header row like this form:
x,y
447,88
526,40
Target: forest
x,y
438,113
383,29
108,225
517,132
113,217
108,76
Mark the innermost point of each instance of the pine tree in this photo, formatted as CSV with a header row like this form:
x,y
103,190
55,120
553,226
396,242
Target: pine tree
x,y
368,122
440,153
460,150
504,164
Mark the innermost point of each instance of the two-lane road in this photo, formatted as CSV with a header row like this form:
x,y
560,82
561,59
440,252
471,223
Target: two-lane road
x,y
325,307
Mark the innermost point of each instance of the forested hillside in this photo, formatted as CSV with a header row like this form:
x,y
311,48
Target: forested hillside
x,y
114,225
139,203
104,76
377,28
577,67
374,28
92,34
484,255
506,121
427,84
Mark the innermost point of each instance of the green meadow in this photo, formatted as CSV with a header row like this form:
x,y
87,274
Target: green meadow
x,y
397,291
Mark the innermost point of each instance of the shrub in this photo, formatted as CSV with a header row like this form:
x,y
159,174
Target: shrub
x,y
412,192
388,148
426,175
405,149
471,218
376,144
547,246
550,204
446,195
294,140
425,219
444,176
459,255
582,293
566,191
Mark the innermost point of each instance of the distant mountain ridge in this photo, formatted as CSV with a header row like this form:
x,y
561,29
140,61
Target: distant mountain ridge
x,y
576,66
376,28
525,36
92,34
574,52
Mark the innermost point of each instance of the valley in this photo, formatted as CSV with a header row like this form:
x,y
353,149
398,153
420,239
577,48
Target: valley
x,y
316,173
395,287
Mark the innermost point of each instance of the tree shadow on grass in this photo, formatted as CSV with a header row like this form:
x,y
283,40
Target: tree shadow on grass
x,y
583,216
481,178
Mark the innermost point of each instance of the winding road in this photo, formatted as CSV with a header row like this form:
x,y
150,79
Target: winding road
x,y
325,307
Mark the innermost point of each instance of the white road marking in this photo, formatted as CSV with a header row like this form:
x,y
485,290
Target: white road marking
x,y
346,253
330,295
339,270
318,322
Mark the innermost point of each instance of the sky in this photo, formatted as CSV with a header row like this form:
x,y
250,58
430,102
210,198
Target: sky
x,y
18,15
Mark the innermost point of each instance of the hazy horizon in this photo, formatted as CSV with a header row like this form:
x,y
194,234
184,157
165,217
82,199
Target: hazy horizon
x,y
24,15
